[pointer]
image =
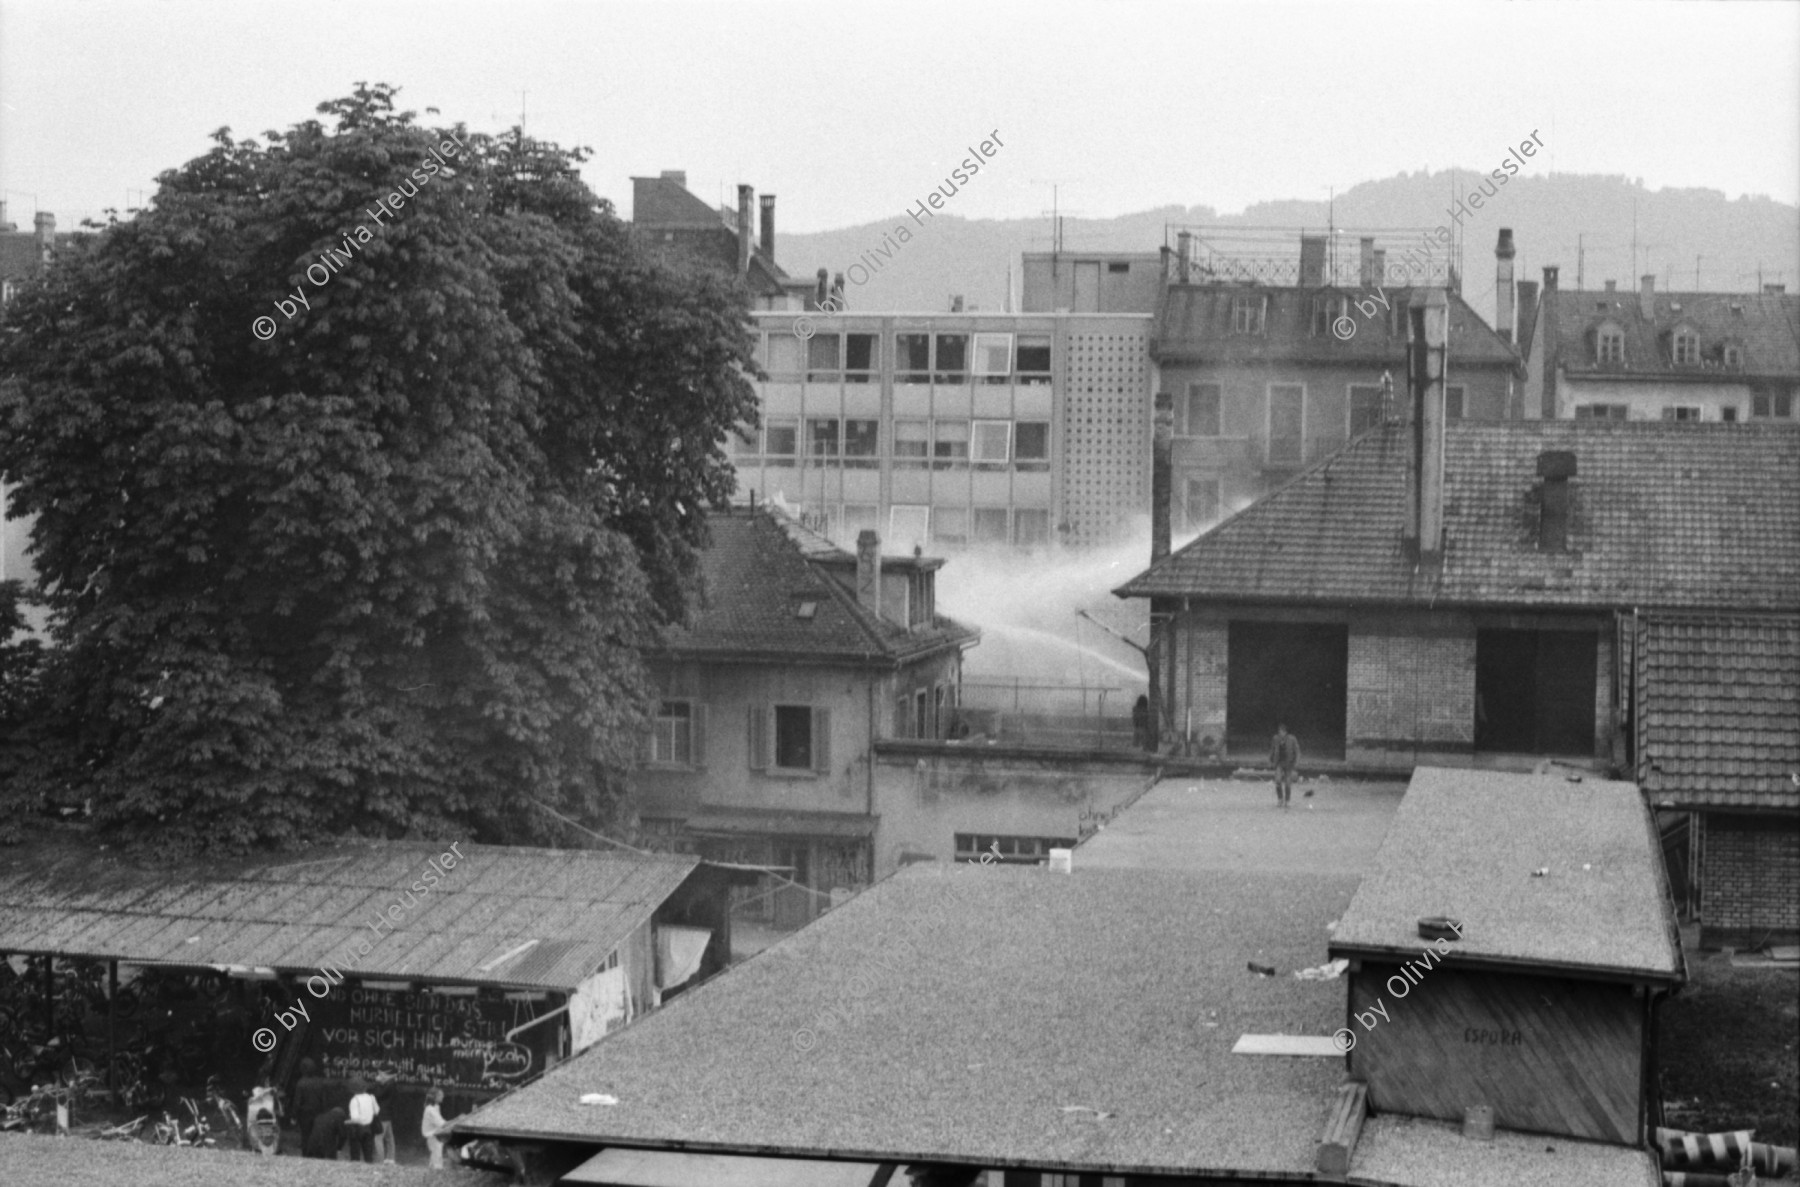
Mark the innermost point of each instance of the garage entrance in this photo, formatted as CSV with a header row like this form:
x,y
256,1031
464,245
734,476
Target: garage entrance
x,y
1534,691
1293,672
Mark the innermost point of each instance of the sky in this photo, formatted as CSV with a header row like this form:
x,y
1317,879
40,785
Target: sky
x,y
852,112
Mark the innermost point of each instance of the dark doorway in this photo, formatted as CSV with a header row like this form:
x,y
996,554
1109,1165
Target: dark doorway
x,y
1534,691
1289,672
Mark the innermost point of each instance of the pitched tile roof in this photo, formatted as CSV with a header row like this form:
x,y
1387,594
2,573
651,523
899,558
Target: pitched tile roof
x,y
1765,325
1465,844
1718,711
760,573
1194,323
1665,515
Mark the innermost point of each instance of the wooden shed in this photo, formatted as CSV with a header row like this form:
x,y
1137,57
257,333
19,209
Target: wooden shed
x,y
1543,1008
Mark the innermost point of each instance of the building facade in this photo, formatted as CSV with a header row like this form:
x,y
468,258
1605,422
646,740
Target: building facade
x,y
949,431
1645,355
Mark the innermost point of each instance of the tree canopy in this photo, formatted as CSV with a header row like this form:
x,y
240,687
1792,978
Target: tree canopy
x,y
387,560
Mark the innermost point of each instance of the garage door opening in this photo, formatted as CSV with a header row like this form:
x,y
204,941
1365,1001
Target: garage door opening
x,y
1289,672
1534,691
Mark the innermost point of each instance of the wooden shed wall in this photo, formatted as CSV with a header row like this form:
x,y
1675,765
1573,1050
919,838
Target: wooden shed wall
x,y
1549,1054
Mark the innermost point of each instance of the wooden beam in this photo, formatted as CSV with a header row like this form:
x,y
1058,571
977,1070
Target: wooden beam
x,y
1342,1129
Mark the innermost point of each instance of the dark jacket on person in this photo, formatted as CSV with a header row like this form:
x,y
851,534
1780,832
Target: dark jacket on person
x,y
327,1135
1284,751
312,1096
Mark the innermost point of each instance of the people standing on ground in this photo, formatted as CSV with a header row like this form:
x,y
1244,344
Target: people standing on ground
x,y
1284,756
431,1124
312,1096
359,1129
384,1108
1140,724
325,1136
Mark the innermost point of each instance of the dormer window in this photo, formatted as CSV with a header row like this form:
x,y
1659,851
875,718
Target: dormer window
x,y
1686,348
1327,308
1609,346
1247,314
1734,356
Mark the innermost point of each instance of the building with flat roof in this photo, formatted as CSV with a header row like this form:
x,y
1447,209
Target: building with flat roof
x,y
1540,1002
954,430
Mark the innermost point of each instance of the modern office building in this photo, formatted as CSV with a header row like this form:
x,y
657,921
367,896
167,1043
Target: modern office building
x,y
951,430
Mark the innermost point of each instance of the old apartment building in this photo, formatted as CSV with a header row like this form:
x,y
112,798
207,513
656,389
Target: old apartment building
x,y
1649,355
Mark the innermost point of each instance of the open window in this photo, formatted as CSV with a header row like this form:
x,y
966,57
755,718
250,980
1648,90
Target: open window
x,y
789,739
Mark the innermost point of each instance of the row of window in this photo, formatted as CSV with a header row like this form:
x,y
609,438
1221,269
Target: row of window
x,y
1201,413
1009,850
920,443
787,739
917,357
1762,407
1684,348
954,527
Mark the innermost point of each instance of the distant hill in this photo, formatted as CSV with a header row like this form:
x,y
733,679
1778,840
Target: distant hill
x,y
951,255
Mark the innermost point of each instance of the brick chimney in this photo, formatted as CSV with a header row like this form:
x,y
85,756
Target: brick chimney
x,y
1555,467
1528,299
1184,256
1161,475
1427,321
1550,271
745,227
868,571
678,176
1647,297
822,289
768,226
1504,323
45,222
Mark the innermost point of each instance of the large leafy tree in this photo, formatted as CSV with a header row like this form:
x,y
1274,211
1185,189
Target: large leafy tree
x,y
393,567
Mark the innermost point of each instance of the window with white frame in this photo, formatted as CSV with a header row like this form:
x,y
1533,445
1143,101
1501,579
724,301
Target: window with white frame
x,y
1686,348
912,443
823,357
993,357
862,443
822,437
1681,412
912,358
1609,345
949,444
678,734
1201,411
991,443
1248,313
1734,355
790,738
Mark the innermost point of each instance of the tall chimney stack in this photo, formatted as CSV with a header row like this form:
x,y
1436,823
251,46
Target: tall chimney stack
x,y
45,223
1184,256
1428,320
678,176
1647,297
768,226
1504,322
1161,475
868,571
1366,260
745,230
1312,261
1550,271
823,289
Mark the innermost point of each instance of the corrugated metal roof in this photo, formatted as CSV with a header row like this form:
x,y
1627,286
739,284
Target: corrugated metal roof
x,y
572,907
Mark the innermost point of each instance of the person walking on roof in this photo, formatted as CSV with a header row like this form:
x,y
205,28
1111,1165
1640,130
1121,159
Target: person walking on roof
x,y
1284,756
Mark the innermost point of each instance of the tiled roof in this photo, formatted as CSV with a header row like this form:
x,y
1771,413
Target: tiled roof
x,y
1194,323
1465,844
761,571
1765,325
665,202
1718,711
1664,515
572,906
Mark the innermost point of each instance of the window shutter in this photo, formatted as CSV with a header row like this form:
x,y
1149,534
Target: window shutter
x,y
759,737
821,741
697,739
